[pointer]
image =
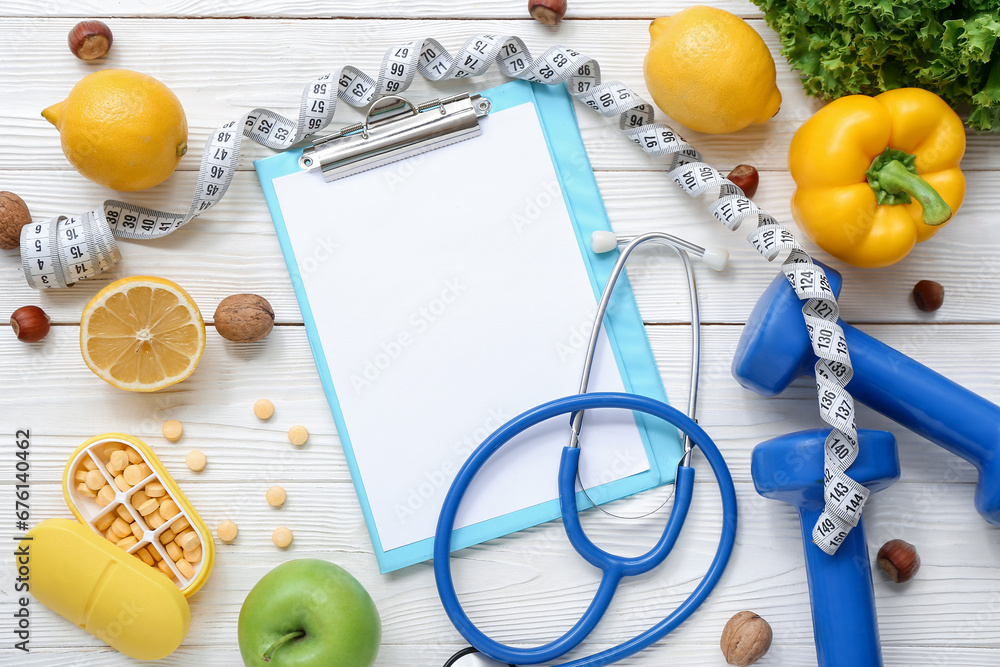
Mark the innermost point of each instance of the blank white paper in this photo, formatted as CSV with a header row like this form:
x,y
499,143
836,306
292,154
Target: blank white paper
x,y
449,295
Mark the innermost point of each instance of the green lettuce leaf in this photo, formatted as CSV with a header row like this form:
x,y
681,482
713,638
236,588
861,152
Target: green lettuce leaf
x,y
846,47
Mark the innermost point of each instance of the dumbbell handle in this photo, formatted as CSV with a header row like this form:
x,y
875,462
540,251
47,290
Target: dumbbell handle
x,y
845,624
930,405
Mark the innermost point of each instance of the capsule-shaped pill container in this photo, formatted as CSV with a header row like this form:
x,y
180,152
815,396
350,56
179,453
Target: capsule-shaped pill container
x,y
138,549
136,505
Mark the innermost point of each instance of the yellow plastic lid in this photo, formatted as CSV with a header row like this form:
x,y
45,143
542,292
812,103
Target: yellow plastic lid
x,y
117,598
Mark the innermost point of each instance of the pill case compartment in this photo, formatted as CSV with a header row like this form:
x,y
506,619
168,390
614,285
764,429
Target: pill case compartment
x,y
90,512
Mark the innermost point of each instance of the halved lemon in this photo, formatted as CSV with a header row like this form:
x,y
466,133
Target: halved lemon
x,y
142,334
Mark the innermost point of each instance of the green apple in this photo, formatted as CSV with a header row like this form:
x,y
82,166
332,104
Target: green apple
x,y
309,613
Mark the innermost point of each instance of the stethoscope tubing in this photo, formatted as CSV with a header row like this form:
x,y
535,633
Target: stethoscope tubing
x,y
613,567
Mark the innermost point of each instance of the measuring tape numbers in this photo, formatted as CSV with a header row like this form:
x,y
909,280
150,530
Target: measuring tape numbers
x,y
63,250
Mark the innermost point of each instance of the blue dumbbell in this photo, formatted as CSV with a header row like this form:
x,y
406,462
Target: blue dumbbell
x,y
790,469
774,349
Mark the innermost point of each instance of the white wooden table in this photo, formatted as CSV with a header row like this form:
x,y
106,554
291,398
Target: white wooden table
x,y
222,57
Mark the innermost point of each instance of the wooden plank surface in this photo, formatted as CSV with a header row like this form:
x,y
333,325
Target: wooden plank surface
x,y
526,588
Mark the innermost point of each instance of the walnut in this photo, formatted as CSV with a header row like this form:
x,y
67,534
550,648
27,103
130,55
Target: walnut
x,y
244,318
13,215
745,639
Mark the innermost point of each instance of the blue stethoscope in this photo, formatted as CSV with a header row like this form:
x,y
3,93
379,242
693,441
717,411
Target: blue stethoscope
x,y
486,651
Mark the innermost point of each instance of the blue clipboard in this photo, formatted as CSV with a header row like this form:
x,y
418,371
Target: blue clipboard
x,y
623,324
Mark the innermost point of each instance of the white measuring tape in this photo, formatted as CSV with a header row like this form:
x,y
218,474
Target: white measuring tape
x,y
61,251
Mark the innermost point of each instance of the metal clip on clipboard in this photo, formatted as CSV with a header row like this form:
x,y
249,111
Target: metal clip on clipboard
x,y
394,129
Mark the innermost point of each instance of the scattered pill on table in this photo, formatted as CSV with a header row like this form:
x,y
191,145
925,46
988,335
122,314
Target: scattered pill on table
x,y
263,409
276,496
297,435
196,460
281,537
227,531
172,430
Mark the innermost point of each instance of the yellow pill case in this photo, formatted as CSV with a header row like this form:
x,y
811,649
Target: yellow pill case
x,y
108,591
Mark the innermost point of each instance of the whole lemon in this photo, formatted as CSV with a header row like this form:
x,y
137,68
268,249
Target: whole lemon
x,y
709,70
122,129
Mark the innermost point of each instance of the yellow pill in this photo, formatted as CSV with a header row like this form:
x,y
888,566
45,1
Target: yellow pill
x,y
110,534
275,496
196,460
119,460
85,490
185,568
263,409
136,530
227,531
145,557
180,525
133,475
80,475
168,510
121,483
167,536
103,522
145,469
192,555
188,540
88,464
297,435
155,490
149,507
281,537
172,430
173,551
95,480
138,498
155,553
127,542
165,569
111,448
121,528
134,456
124,513
105,495
155,520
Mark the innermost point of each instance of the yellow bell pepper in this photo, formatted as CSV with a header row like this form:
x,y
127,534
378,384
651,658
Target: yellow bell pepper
x,y
877,175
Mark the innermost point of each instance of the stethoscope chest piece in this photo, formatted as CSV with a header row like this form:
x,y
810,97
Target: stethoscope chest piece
x,y
470,657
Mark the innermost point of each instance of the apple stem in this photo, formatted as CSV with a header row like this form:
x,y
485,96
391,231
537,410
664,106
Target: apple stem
x,y
269,653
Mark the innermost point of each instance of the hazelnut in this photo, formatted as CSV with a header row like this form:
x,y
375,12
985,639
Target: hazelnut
x,y
90,39
30,324
13,215
549,12
928,295
244,318
746,178
745,639
899,560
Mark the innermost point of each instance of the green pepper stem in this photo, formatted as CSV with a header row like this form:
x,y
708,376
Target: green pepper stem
x,y
894,178
269,653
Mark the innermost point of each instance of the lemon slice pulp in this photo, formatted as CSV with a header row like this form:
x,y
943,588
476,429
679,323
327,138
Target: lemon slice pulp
x,y
142,334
